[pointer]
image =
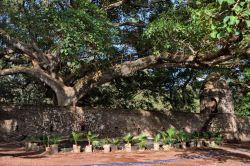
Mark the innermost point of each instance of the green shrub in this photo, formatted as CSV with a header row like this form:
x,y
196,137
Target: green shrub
x,y
128,138
141,140
76,136
55,138
91,137
157,138
115,141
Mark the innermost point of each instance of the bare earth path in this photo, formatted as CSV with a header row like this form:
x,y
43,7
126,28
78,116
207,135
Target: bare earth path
x,y
229,155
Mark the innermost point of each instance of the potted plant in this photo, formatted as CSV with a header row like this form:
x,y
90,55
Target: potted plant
x,y
141,141
106,145
157,138
45,142
115,143
128,139
168,138
29,143
55,139
182,138
32,143
217,139
207,136
194,138
76,136
91,138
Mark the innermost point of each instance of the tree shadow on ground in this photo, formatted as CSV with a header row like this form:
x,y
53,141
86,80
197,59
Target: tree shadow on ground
x,y
218,155
16,150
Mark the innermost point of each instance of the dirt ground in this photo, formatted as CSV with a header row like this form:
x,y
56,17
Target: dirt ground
x,y
228,154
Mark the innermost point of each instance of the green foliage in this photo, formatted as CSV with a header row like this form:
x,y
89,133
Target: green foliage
x,y
55,139
128,138
115,141
196,135
92,138
76,136
105,141
142,138
157,137
45,140
182,136
168,136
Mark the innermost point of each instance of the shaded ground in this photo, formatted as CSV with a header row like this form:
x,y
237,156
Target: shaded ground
x,y
229,155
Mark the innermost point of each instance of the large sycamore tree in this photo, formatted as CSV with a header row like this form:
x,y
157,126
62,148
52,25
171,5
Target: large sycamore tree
x,y
74,46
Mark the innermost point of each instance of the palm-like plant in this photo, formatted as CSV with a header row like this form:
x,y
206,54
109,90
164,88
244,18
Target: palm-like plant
x,y
142,140
128,138
164,136
55,139
76,136
115,141
171,132
91,137
157,138
182,136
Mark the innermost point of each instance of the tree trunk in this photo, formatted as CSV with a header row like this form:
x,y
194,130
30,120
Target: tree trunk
x,y
66,96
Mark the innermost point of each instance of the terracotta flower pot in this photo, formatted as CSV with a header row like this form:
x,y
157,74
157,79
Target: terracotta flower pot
x,y
192,144
183,145
28,146
128,148
106,148
166,147
54,148
48,149
156,146
199,144
207,143
76,148
34,147
114,147
213,144
89,149
142,149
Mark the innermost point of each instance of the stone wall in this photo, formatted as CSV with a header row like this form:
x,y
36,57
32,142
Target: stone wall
x,y
18,122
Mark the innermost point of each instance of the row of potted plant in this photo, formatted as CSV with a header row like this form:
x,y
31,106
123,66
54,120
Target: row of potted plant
x,y
168,139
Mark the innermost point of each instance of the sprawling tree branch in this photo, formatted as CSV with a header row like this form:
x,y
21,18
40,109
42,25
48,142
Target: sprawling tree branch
x,y
25,48
136,24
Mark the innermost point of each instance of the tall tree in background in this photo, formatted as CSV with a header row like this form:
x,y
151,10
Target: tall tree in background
x,y
74,46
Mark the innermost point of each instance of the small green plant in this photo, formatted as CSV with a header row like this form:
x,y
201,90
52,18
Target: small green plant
x,y
128,138
164,137
76,136
105,141
195,135
171,134
55,139
207,134
91,137
142,140
45,140
115,141
95,144
217,137
182,136
157,138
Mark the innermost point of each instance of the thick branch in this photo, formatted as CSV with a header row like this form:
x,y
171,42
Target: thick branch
x,y
115,5
136,24
25,48
54,83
